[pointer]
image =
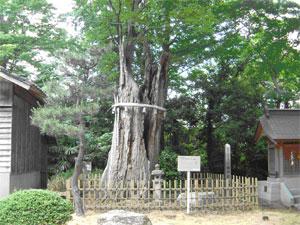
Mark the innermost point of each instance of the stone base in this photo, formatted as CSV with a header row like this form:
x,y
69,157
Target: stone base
x,y
269,191
121,217
279,192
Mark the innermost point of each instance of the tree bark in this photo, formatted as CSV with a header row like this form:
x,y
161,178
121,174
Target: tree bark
x,y
154,92
137,132
79,210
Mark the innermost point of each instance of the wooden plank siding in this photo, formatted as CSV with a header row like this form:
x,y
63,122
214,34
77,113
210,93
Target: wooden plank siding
x,y
44,160
23,150
6,90
5,125
26,145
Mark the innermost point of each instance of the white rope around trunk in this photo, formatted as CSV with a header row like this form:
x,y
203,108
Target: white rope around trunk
x,y
139,105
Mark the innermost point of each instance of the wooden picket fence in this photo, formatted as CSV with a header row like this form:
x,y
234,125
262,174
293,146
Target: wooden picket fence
x,y
203,176
208,193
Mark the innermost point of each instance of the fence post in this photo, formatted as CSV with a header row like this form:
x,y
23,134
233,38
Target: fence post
x,y
157,182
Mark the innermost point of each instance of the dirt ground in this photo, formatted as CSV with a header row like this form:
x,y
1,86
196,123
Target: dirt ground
x,y
275,217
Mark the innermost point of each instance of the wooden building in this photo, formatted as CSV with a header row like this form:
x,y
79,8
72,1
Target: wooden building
x,y
281,129
23,150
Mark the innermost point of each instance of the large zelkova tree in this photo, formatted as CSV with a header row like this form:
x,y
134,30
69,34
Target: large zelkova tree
x,y
28,36
144,35
71,102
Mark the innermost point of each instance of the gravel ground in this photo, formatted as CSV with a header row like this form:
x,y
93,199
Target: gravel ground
x,y
274,217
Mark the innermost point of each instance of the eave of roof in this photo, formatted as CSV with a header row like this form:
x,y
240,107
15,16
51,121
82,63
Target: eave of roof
x,y
25,84
280,124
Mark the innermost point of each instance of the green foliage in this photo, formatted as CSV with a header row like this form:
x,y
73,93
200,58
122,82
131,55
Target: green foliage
x,y
59,120
266,50
168,163
99,147
27,32
229,108
61,156
160,24
73,106
182,128
32,207
98,141
227,84
229,59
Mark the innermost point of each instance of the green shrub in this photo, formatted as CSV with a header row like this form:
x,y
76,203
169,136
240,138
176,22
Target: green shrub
x,y
35,207
168,163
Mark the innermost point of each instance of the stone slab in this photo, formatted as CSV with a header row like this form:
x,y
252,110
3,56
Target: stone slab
x,y
122,217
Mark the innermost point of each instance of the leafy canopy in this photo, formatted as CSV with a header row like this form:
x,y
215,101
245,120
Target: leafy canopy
x,y
28,37
74,97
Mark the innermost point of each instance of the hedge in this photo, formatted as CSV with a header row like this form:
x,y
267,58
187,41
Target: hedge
x,y
35,207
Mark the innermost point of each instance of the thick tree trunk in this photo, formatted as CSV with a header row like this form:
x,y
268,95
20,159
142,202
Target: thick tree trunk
x,y
154,93
137,132
77,171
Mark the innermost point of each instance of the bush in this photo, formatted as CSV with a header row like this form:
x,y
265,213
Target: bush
x,y
168,163
35,207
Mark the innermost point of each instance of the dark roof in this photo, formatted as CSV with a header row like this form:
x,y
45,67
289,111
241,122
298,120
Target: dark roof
x,y
25,84
281,124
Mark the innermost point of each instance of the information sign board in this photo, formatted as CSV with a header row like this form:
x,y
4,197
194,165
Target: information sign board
x,y
189,163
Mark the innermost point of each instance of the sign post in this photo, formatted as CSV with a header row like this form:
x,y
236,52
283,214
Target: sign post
x,y
189,164
188,192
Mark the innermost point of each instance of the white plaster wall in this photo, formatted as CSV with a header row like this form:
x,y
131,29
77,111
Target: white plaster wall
x,y
4,184
25,181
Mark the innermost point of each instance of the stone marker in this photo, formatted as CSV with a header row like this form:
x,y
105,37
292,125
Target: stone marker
x,y
227,162
202,198
122,217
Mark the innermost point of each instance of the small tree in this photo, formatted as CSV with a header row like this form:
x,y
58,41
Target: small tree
x,y
71,102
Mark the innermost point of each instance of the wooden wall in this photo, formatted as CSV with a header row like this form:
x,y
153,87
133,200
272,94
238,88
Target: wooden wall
x,y
23,150
44,160
5,125
26,139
